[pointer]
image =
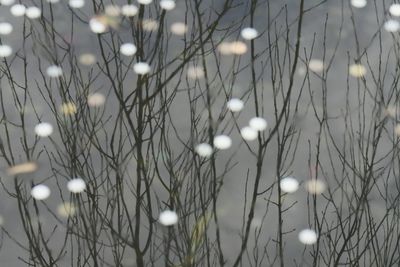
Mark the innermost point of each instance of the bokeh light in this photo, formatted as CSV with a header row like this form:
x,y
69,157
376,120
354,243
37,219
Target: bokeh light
x,y
5,50
5,28
222,142
289,185
258,124
179,28
308,237
76,185
40,192
18,10
43,129
315,186
167,4
204,150
128,49
96,100
141,68
22,168
235,105
249,33
358,3
168,218
129,10
248,133
54,71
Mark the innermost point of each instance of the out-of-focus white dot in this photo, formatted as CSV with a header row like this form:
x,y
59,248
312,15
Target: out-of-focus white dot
x,y
40,192
168,217
258,124
97,26
235,105
316,65
128,49
237,48
5,28
87,59
195,72
204,150
289,185
141,68
5,50
301,71
167,4
54,71
129,10
145,2
112,10
394,10
391,25
149,25
359,3
357,70
96,100
52,1
248,133
249,33
179,28
66,209
18,10
43,129
76,3
222,142
315,186
76,185
33,12
308,236
7,2
397,130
